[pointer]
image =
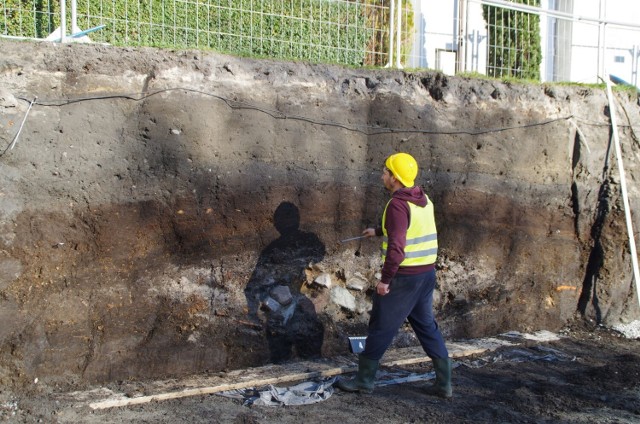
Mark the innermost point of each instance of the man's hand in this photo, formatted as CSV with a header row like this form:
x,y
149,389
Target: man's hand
x,y
369,232
382,288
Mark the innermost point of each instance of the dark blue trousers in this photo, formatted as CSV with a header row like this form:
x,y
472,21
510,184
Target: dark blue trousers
x,y
410,297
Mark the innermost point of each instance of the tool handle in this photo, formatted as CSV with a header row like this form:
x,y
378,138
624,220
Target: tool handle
x,y
352,238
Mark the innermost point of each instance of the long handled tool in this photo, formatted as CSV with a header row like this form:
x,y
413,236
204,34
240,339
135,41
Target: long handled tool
x,y
352,238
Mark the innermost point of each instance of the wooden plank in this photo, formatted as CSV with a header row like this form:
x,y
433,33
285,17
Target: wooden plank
x,y
220,388
275,374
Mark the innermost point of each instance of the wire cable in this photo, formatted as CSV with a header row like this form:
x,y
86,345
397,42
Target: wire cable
x,y
368,130
276,114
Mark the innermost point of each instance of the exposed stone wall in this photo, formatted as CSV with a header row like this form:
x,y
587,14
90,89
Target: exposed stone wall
x,y
168,212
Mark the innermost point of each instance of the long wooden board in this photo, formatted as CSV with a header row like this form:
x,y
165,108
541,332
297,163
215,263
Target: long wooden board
x,y
276,374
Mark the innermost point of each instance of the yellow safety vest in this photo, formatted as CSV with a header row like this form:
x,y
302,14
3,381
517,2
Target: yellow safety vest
x,y
422,237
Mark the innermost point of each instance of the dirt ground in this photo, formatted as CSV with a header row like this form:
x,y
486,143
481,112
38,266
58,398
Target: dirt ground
x,y
591,375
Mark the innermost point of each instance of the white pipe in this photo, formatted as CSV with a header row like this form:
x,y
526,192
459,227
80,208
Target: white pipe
x,y
392,11
399,36
623,186
581,136
15,139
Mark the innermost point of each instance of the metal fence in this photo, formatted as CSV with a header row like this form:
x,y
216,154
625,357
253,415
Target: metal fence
x,y
561,40
348,32
547,40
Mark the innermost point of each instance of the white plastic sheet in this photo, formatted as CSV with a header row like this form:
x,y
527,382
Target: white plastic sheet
x,y
305,393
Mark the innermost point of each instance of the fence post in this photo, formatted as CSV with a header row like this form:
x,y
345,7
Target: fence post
x,y
63,20
74,17
391,33
399,36
634,65
462,36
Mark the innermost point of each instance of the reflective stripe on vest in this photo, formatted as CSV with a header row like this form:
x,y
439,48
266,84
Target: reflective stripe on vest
x,y
422,237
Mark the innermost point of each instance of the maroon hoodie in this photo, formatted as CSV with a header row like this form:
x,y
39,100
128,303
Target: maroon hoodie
x,y
397,223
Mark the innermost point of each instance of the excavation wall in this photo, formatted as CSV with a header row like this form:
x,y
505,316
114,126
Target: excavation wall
x,y
173,212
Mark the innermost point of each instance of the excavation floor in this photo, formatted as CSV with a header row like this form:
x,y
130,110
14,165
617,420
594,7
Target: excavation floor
x,y
588,375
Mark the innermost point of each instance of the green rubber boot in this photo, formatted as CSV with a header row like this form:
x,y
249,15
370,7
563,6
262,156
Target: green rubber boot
x,y
442,386
363,382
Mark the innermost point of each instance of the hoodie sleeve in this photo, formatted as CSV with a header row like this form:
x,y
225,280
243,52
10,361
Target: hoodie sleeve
x,y
397,223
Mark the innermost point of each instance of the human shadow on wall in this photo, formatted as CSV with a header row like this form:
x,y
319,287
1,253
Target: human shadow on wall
x,y
273,295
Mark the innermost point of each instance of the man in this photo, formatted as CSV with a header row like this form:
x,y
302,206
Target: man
x,y
405,290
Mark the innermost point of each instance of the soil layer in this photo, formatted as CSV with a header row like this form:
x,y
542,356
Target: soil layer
x,y
164,213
